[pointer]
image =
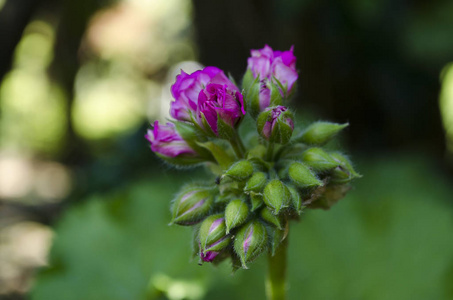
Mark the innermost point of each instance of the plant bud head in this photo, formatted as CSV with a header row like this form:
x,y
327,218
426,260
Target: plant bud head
x,y
236,213
192,205
212,234
256,183
320,133
319,160
270,218
344,173
276,196
250,241
302,176
240,170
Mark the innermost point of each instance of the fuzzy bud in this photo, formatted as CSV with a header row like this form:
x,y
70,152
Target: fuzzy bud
x,y
302,176
236,213
250,241
319,160
240,170
212,233
192,205
276,196
270,218
256,183
344,173
256,199
320,133
296,199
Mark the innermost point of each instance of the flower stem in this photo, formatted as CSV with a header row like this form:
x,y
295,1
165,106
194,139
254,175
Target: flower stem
x,y
238,146
270,151
276,275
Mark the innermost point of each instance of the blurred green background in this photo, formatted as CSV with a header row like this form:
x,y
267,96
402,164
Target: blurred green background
x,y
84,203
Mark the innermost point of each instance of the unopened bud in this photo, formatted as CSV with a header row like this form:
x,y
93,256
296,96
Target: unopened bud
x,y
296,199
236,213
192,205
320,133
275,124
240,170
212,234
256,183
250,241
256,199
344,172
319,160
302,176
276,196
270,218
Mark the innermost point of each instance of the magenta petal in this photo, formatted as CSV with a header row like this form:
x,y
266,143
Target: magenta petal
x,y
166,141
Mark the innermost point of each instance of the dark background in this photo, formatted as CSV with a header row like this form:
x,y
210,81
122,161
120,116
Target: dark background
x,y
81,80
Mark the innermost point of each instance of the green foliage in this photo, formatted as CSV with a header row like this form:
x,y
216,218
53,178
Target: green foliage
x,y
390,239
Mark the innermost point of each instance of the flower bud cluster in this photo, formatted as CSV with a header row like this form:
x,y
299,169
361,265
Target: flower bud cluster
x,y
256,188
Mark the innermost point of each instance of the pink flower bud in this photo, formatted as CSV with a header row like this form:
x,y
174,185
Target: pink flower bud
x,y
273,66
166,141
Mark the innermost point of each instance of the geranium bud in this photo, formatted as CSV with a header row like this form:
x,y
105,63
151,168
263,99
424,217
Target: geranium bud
x,y
302,176
250,241
319,160
236,213
220,108
320,133
240,170
275,124
270,218
192,205
212,234
186,89
208,256
261,95
256,183
275,66
296,199
256,199
276,196
344,172
168,144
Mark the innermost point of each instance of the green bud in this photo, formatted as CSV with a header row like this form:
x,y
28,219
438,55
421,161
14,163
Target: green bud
x,y
276,195
192,205
250,241
256,183
256,199
344,172
236,214
296,199
302,176
240,170
320,133
212,233
270,218
319,160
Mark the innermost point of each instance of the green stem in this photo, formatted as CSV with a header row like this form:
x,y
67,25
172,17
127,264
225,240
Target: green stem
x,y
276,275
238,146
270,151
